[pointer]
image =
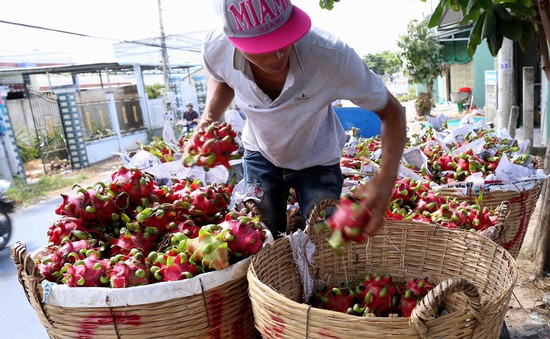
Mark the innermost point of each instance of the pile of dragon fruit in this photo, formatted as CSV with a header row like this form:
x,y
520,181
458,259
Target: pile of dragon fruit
x,y
447,160
132,231
376,294
416,200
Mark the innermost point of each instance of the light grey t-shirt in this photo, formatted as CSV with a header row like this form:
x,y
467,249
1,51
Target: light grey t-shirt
x,y
298,129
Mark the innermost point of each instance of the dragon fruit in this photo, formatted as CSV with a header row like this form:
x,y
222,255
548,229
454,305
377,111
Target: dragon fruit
x,y
413,292
212,147
347,223
209,249
79,249
245,235
338,299
128,241
88,272
89,205
185,226
377,294
134,183
50,264
128,270
66,228
154,220
173,266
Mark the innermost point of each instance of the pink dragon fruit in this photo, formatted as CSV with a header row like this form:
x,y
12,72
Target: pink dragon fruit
x,y
347,223
338,299
128,270
377,294
66,228
88,272
212,147
173,266
185,226
128,241
245,235
89,205
134,183
50,264
413,292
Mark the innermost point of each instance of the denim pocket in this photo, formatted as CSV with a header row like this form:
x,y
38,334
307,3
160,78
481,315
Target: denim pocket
x,y
249,153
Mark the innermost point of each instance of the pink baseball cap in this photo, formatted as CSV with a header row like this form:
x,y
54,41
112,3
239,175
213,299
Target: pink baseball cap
x,y
263,26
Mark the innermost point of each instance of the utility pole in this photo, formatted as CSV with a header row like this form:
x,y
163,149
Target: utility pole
x,y
505,83
168,97
165,65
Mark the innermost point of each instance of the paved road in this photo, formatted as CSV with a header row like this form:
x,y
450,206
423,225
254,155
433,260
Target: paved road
x,y
19,320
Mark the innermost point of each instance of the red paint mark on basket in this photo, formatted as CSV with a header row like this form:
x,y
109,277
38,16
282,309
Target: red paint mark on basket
x,y
215,315
239,326
327,333
90,324
277,329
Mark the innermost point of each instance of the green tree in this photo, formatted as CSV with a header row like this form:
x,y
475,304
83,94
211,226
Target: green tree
x,y
154,91
385,62
423,60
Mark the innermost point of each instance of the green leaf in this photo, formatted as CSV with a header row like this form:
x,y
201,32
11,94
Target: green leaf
x,y
472,16
520,10
435,19
486,4
502,13
512,29
472,5
475,34
490,24
494,42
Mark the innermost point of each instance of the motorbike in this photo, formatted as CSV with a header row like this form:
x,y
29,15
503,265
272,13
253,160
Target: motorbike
x,y
6,207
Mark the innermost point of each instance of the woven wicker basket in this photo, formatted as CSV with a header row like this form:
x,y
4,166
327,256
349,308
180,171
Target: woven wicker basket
x,y
221,312
522,204
476,279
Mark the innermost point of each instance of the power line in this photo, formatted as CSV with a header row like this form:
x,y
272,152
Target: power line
x,y
95,37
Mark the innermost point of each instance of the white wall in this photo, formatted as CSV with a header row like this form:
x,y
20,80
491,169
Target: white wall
x,y
102,149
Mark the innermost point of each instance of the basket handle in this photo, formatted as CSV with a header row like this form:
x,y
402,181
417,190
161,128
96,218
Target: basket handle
x,y
503,212
29,277
252,206
427,307
315,214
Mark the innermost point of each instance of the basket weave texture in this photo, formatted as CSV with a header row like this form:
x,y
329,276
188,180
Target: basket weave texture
x,y
476,277
221,312
522,204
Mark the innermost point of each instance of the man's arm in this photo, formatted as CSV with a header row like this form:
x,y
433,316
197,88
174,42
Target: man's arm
x,y
218,97
378,189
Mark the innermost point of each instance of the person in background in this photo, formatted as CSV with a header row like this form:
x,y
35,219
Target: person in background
x,y
284,74
190,118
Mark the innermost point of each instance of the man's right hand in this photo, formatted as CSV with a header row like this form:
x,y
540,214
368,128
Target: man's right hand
x,y
201,127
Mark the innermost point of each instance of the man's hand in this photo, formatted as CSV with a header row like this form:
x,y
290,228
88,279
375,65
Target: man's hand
x,y
376,193
201,127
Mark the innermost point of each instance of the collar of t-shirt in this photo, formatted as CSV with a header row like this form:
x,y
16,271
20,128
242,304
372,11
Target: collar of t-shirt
x,y
241,63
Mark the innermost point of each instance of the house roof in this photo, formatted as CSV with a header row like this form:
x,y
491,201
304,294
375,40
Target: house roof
x,y
450,29
88,68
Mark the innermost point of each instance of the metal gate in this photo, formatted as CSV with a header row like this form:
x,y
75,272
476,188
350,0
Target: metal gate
x,y
49,131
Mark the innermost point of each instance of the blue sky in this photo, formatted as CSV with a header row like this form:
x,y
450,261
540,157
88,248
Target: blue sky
x,y
368,26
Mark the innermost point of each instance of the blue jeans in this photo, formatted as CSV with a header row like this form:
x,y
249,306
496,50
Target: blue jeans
x,y
271,184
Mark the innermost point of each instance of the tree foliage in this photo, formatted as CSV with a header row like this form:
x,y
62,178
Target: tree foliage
x,y
493,20
154,91
385,62
422,55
